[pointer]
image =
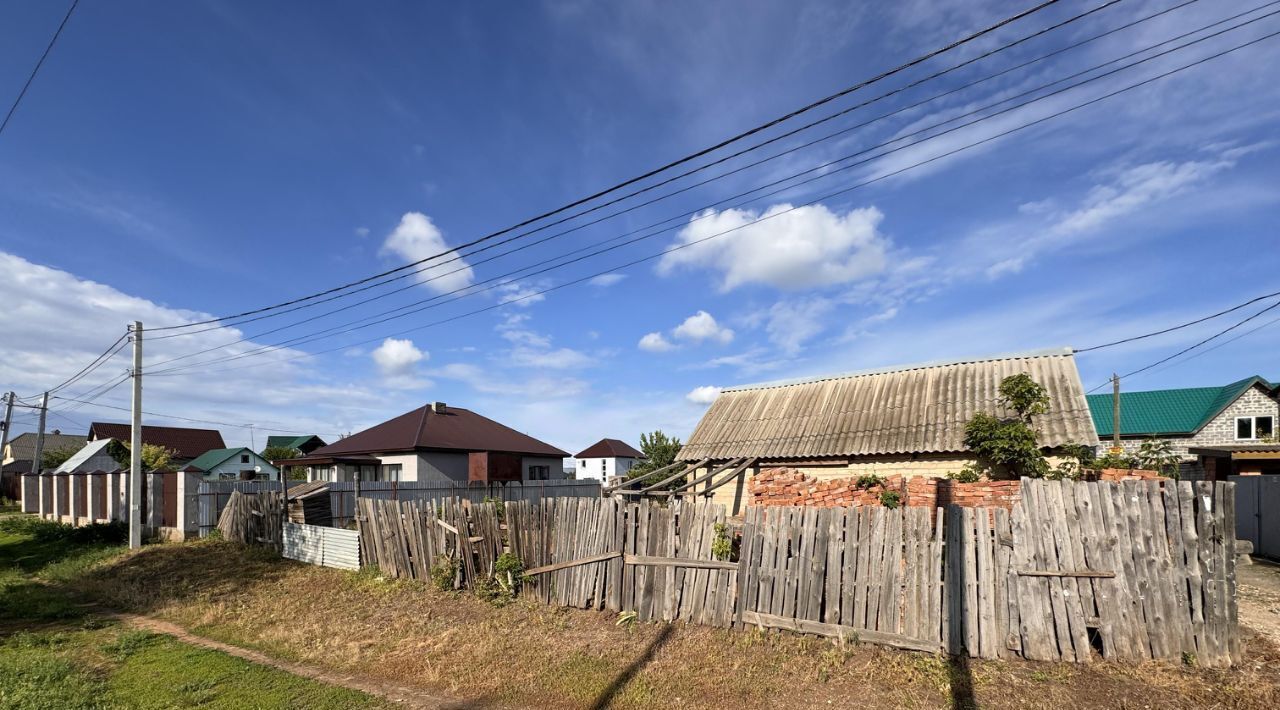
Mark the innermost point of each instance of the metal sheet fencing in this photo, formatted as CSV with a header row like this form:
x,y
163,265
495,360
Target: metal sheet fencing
x,y
1258,513
328,547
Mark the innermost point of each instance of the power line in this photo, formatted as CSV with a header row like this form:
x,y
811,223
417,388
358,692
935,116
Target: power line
x,y
842,191
693,156
36,69
234,425
418,305
1193,347
1224,343
106,355
1181,326
455,255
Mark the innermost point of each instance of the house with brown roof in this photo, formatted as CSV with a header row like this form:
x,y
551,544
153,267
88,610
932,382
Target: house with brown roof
x,y
186,443
607,459
437,443
906,420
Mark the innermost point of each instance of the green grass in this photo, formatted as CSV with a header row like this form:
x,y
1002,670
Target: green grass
x,y
115,667
97,664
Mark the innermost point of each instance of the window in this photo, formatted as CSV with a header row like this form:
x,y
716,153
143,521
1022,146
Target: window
x,y
1255,427
539,473
602,464
244,458
389,472
583,465
324,473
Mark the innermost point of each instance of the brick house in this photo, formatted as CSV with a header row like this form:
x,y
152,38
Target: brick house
x,y
905,421
1218,431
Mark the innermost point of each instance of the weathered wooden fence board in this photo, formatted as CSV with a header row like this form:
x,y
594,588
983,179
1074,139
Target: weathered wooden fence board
x,y
1137,570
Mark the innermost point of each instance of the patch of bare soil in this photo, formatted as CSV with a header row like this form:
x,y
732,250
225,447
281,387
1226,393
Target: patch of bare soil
x,y
1258,590
530,655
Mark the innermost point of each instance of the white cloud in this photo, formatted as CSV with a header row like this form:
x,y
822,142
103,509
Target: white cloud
x,y
521,294
397,358
604,280
417,238
804,248
655,343
535,387
56,323
793,322
701,327
555,359
705,394
362,232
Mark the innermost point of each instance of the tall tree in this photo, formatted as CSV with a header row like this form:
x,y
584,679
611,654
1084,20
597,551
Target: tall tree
x,y
660,451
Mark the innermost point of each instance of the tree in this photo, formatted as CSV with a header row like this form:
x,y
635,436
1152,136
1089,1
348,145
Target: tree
x,y
154,456
1158,455
660,451
280,453
56,457
1008,448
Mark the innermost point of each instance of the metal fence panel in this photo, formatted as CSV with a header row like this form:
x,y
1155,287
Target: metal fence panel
x,y
328,547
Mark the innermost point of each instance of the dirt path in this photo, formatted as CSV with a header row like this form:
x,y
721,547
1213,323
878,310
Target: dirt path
x,y
403,695
1258,588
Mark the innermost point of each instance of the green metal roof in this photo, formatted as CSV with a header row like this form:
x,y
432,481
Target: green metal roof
x,y
1162,412
213,457
290,442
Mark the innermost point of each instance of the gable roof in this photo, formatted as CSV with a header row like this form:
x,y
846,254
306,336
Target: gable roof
x,y
23,446
89,451
902,410
187,443
1163,412
451,429
610,448
291,441
216,457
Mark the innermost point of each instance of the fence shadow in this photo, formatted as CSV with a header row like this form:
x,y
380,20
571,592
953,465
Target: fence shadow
x,y
606,696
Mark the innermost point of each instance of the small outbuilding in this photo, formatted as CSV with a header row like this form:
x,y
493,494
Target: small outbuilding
x,y
907,420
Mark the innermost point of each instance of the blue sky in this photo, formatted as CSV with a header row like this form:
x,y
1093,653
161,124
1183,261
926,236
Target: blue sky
x,y
174,161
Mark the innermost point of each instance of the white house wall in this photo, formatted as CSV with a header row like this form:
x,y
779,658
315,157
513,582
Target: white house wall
x,y
604,468
232,468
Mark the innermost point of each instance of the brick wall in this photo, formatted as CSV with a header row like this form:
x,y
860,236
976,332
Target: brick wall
x,y
788,486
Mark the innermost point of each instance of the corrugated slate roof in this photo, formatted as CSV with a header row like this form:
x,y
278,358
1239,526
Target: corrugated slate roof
x,y
186,442
903,410
1164,412
452,429
610,448
23,446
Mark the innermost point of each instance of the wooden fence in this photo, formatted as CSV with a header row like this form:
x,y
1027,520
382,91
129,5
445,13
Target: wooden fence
x,y
1134,570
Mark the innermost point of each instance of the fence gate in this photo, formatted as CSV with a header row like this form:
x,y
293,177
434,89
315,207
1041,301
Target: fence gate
x,y
1258,513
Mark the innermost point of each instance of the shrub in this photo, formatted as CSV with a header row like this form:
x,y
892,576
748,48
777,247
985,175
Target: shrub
x,y
499,507
444,573
968,474
1007,446
869,480
502,587
890,499
722,545
113,533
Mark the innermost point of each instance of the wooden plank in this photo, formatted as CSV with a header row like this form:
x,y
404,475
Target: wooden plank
x,y
1064,549
988,636
690,486
602,557
1131,611
862,578
835,519
891,589
1065,573
849,564
1007,588
937,615
875,568
806,626
970,602
1177,578
1191,547
1227,545
1044,619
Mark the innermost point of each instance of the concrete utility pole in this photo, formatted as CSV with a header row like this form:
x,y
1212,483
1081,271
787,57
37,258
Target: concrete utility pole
x,y
1115,414
44,413
135,445
8,419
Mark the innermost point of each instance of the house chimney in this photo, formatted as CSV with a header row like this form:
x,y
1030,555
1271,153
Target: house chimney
x,y
437,407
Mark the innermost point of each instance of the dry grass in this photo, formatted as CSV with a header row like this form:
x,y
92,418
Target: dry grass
x,y
527,654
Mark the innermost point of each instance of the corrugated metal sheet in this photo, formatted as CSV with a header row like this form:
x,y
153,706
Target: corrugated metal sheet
x,y
328,547
916,409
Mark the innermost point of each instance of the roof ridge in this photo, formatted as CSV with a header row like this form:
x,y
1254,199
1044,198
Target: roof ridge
x,y
1046,352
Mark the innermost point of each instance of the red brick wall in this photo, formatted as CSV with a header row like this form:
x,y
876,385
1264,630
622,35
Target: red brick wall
x,y
1121,474
785,486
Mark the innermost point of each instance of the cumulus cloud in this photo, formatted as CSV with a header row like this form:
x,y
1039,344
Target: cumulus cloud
x,y
701,327
807,247
705,394
521,294
417,238
397,357
655,343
